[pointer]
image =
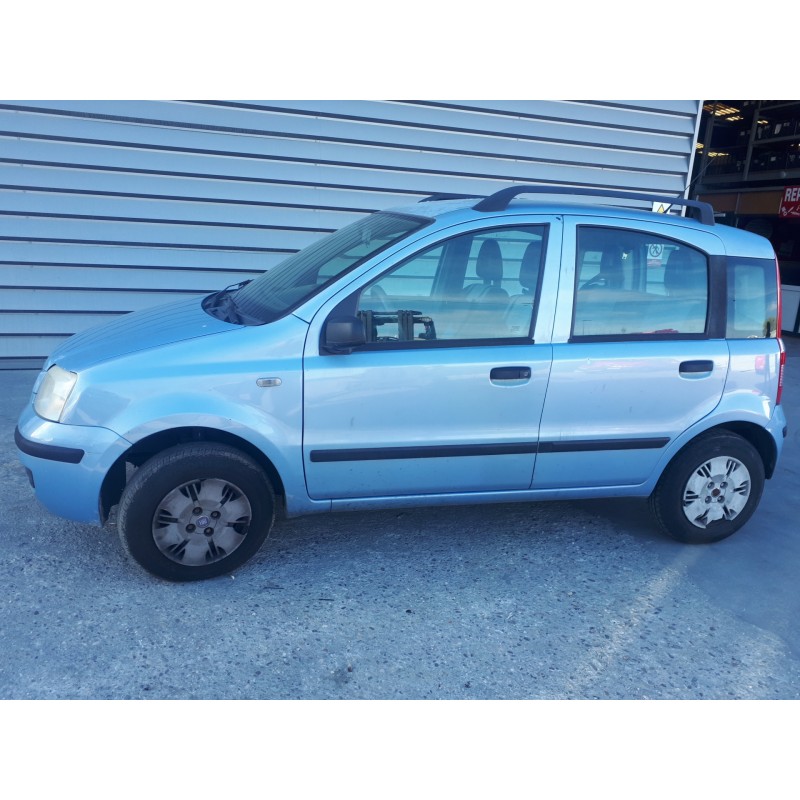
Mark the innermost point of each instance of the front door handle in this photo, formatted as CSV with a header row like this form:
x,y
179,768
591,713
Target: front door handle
x,y
510,374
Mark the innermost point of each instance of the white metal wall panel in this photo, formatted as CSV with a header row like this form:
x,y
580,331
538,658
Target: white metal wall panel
x,y
111,206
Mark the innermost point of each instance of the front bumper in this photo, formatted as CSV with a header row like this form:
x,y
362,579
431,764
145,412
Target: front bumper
x,y
67,464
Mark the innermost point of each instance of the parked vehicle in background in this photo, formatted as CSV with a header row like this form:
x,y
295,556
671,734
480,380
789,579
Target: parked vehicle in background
x,y
461,350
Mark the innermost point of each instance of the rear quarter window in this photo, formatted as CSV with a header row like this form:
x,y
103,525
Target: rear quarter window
x,y
752,299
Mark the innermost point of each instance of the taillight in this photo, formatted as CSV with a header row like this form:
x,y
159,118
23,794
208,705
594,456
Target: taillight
x,y
778,330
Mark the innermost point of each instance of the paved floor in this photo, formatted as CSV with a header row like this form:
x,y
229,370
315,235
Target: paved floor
x,y
553,600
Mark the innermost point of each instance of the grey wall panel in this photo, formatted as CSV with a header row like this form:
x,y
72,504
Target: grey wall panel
x,y
600,115
117,256
23,350
130,209
366,168
686,108
18,325
594,124
78,300
158,234
20,277
563,125
74,180
390,148
111,206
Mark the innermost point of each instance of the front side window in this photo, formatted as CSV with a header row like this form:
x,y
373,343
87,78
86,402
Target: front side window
x,y
631,283
477,286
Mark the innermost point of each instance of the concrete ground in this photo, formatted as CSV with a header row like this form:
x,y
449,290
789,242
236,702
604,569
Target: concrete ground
x,y
553,600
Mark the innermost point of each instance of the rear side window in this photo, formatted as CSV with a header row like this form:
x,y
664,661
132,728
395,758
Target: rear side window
x,y
630,283
752,299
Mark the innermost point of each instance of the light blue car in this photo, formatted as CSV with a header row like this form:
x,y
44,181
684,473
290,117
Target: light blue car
x,y
460,350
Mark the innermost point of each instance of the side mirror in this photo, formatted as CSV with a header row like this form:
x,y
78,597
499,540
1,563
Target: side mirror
x,y
342,334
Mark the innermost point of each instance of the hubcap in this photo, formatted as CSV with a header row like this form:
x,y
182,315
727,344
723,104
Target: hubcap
x,y
718,489
201,522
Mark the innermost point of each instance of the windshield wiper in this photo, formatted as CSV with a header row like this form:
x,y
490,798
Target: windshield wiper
x,y
222,305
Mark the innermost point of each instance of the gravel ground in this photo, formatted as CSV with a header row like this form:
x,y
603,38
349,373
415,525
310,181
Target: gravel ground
x,y
536,601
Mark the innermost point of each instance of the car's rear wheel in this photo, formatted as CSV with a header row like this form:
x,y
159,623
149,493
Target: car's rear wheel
x,y
710,489
195,511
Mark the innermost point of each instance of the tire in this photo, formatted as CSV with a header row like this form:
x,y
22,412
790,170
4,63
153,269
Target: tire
x,y
195,511
710,489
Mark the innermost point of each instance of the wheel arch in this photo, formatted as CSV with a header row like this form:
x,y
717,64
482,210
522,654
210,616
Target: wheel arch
x,y
143,450
759,438
756,435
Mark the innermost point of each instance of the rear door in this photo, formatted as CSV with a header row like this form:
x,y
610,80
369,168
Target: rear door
x,y
447,394
638,352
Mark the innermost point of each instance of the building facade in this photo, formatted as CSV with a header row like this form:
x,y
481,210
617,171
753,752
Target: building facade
x,y
111,206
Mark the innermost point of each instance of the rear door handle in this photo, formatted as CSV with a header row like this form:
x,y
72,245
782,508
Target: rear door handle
x,y
696,367
510,374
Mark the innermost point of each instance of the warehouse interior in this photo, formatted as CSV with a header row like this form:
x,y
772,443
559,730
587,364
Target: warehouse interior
x,y
747,165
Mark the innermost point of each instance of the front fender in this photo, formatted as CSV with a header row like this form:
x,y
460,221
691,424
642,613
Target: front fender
x,y
247,383
277,440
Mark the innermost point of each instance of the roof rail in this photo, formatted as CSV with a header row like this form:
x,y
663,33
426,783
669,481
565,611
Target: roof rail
x,y
445,196
499,200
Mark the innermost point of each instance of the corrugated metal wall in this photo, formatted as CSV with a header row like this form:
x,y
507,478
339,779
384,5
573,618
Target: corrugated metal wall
x,y
111,206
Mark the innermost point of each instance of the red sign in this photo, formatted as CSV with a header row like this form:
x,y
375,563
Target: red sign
x,y
790,202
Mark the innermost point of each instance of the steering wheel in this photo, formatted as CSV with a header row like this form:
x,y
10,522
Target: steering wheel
x,y
378,294
599,281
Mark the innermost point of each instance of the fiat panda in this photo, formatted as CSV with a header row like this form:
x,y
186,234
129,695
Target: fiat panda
x,y
458,350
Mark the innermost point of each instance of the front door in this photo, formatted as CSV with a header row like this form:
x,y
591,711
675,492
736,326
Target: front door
x,y
447,394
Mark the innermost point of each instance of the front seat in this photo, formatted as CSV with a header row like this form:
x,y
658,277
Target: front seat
x,y
489,268
484,304
518,316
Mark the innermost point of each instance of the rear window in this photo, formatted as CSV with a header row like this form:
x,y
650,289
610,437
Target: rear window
x,y
752,299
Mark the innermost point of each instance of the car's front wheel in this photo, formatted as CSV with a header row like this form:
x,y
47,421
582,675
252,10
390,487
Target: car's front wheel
x,y
195,511
710,489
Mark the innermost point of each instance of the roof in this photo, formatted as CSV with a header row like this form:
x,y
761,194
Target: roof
x,y
463,209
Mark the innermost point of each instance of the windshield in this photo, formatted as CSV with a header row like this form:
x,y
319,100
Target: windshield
x,y
305,273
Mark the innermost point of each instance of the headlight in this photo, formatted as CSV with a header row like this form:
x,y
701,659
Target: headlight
x,y
54,392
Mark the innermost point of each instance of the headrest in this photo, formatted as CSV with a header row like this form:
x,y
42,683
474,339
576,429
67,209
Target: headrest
x,y
611,268
685,271
529,268
489,266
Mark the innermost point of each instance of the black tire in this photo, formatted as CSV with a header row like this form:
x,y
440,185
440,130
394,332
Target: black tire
x,y
710,489
195,511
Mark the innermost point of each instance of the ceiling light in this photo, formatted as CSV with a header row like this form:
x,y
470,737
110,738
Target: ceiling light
x,y
720,109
